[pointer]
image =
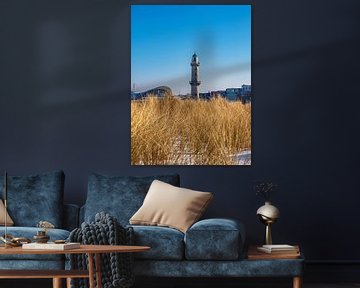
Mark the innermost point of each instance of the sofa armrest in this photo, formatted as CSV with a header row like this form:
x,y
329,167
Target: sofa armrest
x,y
215,239
71,216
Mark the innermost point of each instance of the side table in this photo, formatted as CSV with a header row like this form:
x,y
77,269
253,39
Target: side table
x,y
288,259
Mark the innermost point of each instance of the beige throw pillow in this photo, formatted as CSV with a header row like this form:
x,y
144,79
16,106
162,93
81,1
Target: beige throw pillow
x,y
9,221
170,206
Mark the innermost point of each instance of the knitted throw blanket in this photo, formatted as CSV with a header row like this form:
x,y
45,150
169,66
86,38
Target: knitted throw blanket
x,y
116,268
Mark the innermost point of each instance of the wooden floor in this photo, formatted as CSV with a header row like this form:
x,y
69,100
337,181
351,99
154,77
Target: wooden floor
x,y
261,285
45,283
339,285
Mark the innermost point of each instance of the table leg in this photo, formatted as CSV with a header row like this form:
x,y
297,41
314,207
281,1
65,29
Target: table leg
x,y
68,282
98,270
91,270
57,283
297,282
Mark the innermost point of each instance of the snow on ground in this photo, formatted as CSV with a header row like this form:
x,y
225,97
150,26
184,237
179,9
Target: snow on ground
x,y
243,158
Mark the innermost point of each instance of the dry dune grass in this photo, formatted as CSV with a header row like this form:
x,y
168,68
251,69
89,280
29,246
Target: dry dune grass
x,y
171,131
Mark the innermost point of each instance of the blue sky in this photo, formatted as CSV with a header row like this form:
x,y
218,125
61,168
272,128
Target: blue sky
x,y
164,37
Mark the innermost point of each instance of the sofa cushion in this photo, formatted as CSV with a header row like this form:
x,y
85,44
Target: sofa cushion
x,y
165,243
29,232
9,221
170,206
119,196
214,269
214,239
35,198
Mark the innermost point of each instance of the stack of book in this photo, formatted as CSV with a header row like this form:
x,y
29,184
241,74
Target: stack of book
x,y
274,252
279,249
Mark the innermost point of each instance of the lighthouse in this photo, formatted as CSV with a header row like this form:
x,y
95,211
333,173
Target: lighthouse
x,y
195,82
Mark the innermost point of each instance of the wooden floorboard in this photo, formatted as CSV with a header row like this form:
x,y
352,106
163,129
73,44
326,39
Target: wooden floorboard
x,y
46,283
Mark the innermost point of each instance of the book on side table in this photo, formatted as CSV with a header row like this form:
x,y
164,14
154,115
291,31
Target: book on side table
x,y
51,246
274,252
276,249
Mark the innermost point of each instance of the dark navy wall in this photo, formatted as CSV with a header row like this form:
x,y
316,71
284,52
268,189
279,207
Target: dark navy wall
x,y
64,100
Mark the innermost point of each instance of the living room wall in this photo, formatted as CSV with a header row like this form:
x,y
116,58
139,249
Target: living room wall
x,y
64,98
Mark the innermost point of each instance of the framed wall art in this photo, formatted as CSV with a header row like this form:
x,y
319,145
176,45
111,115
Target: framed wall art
x,y
191,85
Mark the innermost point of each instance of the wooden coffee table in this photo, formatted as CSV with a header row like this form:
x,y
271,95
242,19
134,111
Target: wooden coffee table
x,y
57,275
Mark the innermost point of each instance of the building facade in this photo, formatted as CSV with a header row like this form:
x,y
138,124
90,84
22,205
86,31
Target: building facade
x,y
160,91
